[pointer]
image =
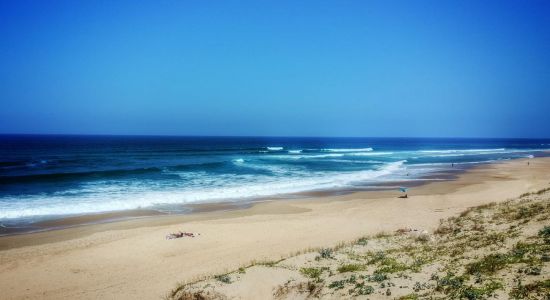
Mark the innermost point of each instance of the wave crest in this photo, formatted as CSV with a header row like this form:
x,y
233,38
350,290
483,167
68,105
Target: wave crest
x,y
347,149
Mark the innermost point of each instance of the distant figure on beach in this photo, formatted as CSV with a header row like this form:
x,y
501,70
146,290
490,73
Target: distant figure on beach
x,y
527,162
404,191
452,165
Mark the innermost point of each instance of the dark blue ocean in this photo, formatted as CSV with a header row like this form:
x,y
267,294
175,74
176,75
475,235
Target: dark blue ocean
x,y
48,176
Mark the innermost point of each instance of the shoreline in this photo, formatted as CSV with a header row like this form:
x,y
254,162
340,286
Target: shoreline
x,y
76,226
98,218
132,259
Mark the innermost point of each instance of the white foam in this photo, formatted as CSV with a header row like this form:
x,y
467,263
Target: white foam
x,y
369,153
275,148
323,155
449,155
348,150
461,150
294,151
352,161
305,156
238,160
104,199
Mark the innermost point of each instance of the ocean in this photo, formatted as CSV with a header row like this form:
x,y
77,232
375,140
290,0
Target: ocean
x,y
45,177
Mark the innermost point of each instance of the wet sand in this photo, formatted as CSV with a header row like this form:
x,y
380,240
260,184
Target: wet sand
x,y
131,259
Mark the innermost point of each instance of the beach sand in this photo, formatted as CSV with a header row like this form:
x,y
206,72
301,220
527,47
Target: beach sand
x,y
133,260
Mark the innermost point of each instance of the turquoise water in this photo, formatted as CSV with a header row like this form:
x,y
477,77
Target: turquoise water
x,y
47,177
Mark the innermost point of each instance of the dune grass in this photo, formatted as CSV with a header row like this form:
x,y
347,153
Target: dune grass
x,y
486,251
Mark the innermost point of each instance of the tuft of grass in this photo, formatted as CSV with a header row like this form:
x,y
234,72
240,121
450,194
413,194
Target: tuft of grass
x,y
545,234
377,257
337,285
349,268
423,238
487,290
313,273
531,290
521,253
542,191
267,263
223,278
362,241
495,238
528,212
466,212
539,192
361,289
382,234
455,287
486,206
488,264
377,277
445,227
451,283
186,295
409,297
340,284
391,265
326,253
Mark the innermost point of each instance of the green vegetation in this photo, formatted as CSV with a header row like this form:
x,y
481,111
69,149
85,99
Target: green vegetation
x,y
468,257
313,273
489,264
409,297
325,253
456,287
361,289
268,263
391,265
483,292
537,288
378,277
545,234
339,284
223,278
362,241
349,268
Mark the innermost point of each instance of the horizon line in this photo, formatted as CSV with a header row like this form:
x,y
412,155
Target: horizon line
x,y
265,136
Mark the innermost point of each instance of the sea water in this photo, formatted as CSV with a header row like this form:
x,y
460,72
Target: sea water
x,y
53,176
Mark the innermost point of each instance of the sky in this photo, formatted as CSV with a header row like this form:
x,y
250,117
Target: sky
x,y
276,68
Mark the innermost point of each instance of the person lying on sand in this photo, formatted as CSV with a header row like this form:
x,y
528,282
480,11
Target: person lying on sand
x,y
179,234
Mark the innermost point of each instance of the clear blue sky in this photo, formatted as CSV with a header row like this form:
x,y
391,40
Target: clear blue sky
x,y
290,68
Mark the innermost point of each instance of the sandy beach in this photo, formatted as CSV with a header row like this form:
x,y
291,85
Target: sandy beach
x,y
133,260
